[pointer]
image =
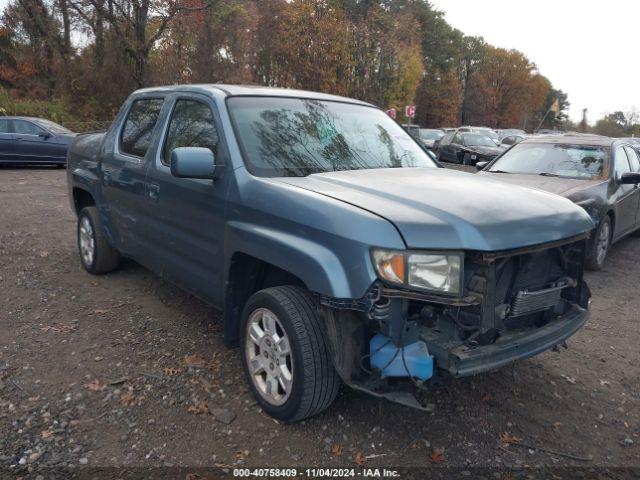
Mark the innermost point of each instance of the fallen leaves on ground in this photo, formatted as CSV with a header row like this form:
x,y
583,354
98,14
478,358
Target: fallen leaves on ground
x,y
199,408
46,433
94,386
101,311
360,460
242,454
171,371
336,449
569,379
127,399
487,398
437,455
196,360
508,438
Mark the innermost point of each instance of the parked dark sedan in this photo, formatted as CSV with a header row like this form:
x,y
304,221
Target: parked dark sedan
x,y
467,148
33,141
600,174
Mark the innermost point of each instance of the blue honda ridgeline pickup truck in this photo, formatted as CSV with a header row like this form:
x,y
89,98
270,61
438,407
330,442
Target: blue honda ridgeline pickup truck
x,y
336,248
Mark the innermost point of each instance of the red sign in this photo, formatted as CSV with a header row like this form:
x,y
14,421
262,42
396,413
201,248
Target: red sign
x,y
392,113
410,111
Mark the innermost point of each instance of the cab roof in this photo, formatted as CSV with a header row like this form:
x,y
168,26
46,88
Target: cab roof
x,y
251,90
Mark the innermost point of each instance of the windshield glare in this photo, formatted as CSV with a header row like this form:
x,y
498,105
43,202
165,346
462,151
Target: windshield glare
x,y
52,126
574,161
297,137
430,134
476,140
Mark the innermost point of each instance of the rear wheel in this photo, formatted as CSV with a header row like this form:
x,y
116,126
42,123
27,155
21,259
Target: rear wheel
x,y
96,254
600,245
286,355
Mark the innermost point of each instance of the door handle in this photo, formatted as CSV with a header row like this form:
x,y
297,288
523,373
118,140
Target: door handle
x,y
153,191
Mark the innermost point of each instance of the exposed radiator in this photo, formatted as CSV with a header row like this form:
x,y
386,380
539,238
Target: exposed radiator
x,y
528,302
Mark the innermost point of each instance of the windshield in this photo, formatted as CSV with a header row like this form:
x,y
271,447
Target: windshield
x,y
574,161
431,134
54,127
297,137
477,140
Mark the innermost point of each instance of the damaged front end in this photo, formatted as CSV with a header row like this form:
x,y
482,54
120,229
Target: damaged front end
x,y
510,305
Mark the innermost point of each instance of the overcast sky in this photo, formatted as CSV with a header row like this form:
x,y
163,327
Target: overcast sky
x,y
590,48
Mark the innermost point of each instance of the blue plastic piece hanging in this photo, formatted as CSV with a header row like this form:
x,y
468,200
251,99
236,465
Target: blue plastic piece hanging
x,y
388,359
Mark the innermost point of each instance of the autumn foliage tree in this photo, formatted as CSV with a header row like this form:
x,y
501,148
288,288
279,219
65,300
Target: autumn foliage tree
x,y
90,54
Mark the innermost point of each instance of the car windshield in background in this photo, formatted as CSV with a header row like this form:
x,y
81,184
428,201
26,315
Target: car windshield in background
x,y
431,134
572,161
52,126
297,137
478,140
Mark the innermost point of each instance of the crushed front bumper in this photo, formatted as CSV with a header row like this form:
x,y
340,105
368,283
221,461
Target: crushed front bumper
x,y
463,360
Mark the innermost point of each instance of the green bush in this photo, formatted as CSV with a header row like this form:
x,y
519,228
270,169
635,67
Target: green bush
x,y
56,110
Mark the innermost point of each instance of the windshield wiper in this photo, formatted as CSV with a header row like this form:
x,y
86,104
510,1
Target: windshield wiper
x,y
547,174
497,171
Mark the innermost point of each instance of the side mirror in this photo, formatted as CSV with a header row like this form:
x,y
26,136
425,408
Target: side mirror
x,y
193,162
481,165
630,178
44,135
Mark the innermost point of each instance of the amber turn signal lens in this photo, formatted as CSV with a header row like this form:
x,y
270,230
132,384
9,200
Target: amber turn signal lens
x,y
390,265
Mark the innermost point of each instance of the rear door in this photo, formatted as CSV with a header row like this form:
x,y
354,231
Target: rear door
x,y
186,216
123,174
6,140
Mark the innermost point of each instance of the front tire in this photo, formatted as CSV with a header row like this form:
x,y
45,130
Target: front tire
x,y
96,254
285,354
599,246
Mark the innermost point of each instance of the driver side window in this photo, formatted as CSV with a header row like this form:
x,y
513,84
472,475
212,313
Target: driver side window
x,y
622,163
23,127
191,125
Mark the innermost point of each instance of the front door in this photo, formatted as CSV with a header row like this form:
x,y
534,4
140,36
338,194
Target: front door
x,y
626,197
29,142
186,216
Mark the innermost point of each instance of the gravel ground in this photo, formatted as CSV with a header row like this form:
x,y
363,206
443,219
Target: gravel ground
x,y
125,370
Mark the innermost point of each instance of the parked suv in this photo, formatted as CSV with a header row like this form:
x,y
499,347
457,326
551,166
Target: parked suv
x,y
336,248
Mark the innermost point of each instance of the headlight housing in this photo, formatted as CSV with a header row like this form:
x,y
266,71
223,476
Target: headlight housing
x,y
438,272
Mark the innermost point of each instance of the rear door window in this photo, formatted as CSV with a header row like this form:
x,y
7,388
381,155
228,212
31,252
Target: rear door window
x,y
4,125
138,127
191,125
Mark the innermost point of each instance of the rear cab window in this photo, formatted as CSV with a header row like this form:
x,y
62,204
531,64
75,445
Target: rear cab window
x,y
139,125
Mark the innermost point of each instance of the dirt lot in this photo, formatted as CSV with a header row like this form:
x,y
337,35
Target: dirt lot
x,y
115,371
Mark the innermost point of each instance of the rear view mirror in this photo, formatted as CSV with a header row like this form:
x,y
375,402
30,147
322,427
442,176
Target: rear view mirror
x,y
481,165
44,135
193,162
630,178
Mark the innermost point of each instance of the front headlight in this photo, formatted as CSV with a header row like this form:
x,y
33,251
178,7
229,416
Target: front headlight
x,y
422,270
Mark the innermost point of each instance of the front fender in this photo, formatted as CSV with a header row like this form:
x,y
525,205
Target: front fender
x,y
321,270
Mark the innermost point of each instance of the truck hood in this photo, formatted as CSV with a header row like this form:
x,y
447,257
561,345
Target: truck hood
x,y
558,185
484,150
446,209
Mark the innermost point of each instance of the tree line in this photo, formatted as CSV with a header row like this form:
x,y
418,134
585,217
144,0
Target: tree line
x,y
79,59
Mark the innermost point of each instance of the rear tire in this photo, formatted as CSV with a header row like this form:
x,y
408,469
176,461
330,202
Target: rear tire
x,y
599,245
96,254
294,386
